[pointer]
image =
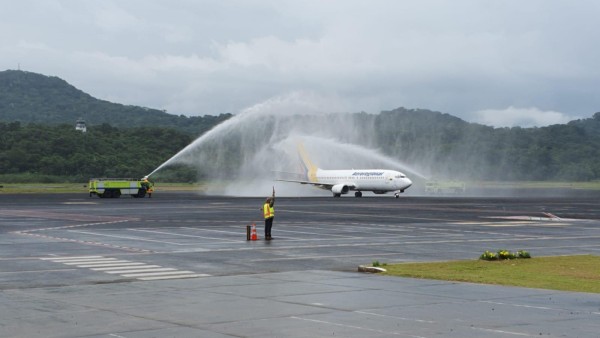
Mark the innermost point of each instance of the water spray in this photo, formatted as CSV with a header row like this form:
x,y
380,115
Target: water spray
x,y
243,152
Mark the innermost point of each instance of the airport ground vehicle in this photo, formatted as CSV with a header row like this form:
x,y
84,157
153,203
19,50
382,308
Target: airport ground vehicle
x,y
115,187
445,187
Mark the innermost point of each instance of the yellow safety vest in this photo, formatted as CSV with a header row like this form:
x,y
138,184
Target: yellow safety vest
x,y
268,211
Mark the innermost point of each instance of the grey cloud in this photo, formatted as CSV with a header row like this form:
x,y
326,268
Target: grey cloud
x,y
206,57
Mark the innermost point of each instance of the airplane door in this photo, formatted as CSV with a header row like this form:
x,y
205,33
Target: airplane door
x,y
388,180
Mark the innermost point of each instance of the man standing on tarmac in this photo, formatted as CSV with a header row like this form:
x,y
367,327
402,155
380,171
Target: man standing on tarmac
x,y
269,214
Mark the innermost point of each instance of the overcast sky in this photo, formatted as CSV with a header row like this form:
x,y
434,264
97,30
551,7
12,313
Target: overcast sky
x,y
501,63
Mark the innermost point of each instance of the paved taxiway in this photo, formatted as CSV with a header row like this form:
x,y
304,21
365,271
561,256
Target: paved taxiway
x,y
179,265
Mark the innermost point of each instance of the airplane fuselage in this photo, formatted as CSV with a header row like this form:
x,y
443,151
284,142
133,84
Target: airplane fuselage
x,y
339,182
378,181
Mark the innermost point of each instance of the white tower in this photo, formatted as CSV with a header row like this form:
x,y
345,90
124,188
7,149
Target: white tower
x,y
80,125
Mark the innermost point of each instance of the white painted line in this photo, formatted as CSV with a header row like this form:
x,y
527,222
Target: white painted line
x,y
175,277
320,257
521,305
524,225
157,274
67,258
124,267
30,271
109,264
104,261
236,233
139,270
79,203
194,236
116,335
504,332
123,237
85,261
357,327
315,233
401,318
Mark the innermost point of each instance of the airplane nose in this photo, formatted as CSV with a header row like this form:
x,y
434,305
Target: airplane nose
x,y
408,182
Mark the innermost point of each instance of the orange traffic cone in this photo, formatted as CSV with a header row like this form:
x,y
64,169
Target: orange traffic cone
x,y
253,235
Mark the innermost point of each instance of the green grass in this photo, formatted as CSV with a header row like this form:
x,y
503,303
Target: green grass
x,y
592,185
565,273
34,188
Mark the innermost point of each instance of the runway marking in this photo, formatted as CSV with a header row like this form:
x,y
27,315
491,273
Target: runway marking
x,y
124,237
315,233
139,270
523,225
174,277
108,265
71,258
184,235
157,273
32,232
32,271
272,246
77,203
521,305
357,327
365,215
506,332
486,223
529,306
60,216
128,269
396,317
321,257
113,268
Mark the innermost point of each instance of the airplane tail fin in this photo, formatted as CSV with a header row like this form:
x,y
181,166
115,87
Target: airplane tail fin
x,y
309,167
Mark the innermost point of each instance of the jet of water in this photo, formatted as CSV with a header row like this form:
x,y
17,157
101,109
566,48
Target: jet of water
x,y
245,153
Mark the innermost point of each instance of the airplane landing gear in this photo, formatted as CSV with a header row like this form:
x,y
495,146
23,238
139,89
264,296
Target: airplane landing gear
x,y
358,194
397,195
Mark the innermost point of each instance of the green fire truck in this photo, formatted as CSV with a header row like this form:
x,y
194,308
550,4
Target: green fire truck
x,y
115,187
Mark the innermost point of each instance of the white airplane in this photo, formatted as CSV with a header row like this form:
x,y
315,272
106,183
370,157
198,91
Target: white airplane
x,y
379,181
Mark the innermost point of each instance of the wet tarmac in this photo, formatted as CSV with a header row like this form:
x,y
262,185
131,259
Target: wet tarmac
x,y
179,265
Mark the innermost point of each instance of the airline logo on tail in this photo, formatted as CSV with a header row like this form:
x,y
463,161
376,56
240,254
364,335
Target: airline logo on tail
x,y
309,167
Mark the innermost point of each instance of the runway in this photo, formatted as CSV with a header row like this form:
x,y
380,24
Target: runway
x,y
179,265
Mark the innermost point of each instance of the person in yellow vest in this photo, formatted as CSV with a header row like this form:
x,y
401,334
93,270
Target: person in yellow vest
x,y
147,185
269,214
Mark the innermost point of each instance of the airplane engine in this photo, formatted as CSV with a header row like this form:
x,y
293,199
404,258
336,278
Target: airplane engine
x,y
339,189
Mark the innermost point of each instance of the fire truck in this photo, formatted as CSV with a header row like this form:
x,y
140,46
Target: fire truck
x,y
115,187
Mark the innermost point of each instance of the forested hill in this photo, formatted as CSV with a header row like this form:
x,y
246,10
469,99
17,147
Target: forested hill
x,y
34,98
37,136
448,146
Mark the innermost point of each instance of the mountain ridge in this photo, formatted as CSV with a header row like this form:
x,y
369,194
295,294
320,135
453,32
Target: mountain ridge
x,y
29,97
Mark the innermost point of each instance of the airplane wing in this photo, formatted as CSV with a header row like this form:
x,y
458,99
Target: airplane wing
x,y
317,184
326,186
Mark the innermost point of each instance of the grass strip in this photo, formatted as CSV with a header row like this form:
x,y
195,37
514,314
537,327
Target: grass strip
x,y
34,188
565,273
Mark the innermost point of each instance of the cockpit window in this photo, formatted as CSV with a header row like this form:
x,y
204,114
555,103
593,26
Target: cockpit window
x,y
400,176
